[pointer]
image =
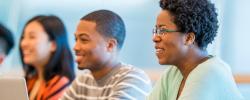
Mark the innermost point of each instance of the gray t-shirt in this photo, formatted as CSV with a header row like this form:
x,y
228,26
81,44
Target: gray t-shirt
x,y
122,82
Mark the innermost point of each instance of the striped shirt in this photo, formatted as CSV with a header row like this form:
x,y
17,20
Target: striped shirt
x,y
123,82
52,90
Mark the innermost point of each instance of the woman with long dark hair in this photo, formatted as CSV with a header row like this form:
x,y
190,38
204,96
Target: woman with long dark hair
x,y
46,57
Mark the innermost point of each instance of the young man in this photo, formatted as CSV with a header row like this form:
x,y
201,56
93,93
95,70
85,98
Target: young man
x,y
184,28
6,42
99,38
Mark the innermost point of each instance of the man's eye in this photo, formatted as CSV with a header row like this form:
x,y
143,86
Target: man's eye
x,y
83,39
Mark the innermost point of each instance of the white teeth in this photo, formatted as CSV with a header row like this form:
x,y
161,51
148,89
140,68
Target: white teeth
x,y
79,58
159,50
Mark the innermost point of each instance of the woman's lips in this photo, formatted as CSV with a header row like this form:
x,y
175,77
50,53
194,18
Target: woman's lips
x,y
159,50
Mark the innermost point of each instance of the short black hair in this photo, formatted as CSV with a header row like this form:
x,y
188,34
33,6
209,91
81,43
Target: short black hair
x,y
109,24
7,37
61,62
198,16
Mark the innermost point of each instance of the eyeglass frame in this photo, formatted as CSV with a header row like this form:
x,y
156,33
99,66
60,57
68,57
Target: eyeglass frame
x,y
162,31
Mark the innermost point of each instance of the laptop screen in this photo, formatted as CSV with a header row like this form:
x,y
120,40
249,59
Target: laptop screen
x,y
13,89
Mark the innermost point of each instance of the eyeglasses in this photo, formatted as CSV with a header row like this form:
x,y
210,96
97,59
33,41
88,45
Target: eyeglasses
x,y
162,31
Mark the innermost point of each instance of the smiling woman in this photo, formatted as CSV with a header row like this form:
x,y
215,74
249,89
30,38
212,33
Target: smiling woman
x,y
194,74
46,57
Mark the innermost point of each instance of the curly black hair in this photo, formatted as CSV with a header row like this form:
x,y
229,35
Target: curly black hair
x,y
198,16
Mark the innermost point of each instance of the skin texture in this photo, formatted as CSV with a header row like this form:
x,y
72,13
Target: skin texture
x,y
35,45
94,51
170,46
176,48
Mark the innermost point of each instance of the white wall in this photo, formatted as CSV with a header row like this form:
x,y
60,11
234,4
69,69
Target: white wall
x,y
232,42
139,16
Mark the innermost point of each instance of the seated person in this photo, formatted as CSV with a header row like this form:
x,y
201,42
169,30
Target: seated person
x,y
6,42
99,38
184,28
46,57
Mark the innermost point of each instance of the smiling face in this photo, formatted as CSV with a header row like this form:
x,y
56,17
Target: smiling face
x,y
170,46
90,47
35,45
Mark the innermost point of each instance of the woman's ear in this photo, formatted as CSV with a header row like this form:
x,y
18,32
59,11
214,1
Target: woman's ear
x,y
53,46
189,38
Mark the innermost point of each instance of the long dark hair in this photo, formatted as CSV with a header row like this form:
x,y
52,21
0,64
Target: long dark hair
x,y
61,61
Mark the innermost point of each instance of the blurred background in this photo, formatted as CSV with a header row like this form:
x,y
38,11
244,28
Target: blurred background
x,y
231,44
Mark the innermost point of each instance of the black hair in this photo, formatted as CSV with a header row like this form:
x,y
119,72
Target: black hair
x,y
61,61
197,16
108,24
7,37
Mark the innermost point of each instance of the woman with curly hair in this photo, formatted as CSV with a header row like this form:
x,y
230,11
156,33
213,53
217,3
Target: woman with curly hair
x,y
183,30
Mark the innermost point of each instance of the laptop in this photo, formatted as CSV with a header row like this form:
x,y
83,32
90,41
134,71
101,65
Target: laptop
x,y
13,89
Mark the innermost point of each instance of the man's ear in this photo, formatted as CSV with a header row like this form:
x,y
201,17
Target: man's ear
x,y
111,44
189,38
53,46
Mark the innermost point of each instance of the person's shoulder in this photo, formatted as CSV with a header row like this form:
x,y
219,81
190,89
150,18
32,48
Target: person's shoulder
x,y
215,77
131,78
130,69
58,79
214,66
56,83
217,62
210,71
170,72
127,71
84,75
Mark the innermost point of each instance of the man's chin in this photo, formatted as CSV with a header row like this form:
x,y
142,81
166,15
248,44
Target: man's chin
x,y
82,67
